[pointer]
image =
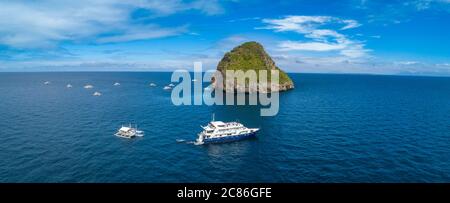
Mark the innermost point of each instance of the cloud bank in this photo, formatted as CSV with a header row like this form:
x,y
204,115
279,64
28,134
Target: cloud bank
x,y
46,23
318,37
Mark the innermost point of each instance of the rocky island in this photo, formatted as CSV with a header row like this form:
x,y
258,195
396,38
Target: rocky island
x,y
251,56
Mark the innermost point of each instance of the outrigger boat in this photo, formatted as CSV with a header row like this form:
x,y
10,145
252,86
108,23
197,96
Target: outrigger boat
x,y
129,132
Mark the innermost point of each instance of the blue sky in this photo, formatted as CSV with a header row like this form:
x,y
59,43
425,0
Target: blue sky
x,y
354,36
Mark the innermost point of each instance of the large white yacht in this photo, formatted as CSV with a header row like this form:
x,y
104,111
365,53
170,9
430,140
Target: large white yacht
x,y
218,131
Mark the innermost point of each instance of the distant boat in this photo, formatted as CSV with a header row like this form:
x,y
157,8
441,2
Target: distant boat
x,y
116,84
88,87
194,80
97,94
47,83
69,86
129,132
152,85
171,85
167,88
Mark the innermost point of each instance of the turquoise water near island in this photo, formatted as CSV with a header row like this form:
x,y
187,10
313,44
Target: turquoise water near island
x,y
331,128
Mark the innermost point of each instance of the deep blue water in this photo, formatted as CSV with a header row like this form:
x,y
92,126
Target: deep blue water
x,y
331,128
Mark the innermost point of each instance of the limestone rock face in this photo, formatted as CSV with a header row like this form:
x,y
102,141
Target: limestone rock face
x,y
251,56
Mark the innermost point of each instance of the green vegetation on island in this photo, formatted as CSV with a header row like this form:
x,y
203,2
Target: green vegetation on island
x,y
252,56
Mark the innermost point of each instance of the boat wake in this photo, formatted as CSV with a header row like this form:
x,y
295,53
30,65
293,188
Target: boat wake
x,y
197,143
186,141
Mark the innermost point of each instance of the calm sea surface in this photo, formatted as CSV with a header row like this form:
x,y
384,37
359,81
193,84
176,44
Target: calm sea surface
x,y
331,128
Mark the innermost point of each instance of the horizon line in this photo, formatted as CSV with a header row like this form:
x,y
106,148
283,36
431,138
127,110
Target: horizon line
x,y
190,71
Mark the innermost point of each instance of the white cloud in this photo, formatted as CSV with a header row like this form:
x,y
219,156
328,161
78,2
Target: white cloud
x,y
144,32
394,12
350,24
297,62
323,34
38,24
300,24
305,24
355,51
243,19
320,38
309,46
407,62
168,7
421,5
444,64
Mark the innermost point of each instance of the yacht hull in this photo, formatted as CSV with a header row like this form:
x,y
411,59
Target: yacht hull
x,y
122,136
229,138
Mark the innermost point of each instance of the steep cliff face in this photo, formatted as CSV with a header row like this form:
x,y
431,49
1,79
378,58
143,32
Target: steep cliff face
x,y
251,56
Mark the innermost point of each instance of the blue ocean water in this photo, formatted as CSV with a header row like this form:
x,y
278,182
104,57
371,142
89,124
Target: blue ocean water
x,y
331,128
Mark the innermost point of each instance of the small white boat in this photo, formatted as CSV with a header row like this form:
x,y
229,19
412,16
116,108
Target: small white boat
x,y
167,88
88,87
171,85
194,80
139,133
69,86
116,84
129,132
97,94
47,83
152,85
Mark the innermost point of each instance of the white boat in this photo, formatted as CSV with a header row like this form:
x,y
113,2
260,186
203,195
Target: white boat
x,y
47,83
167,88
88,87
129,132
152,85
97,94
219,132
171,85
194,80
69,86
116,84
